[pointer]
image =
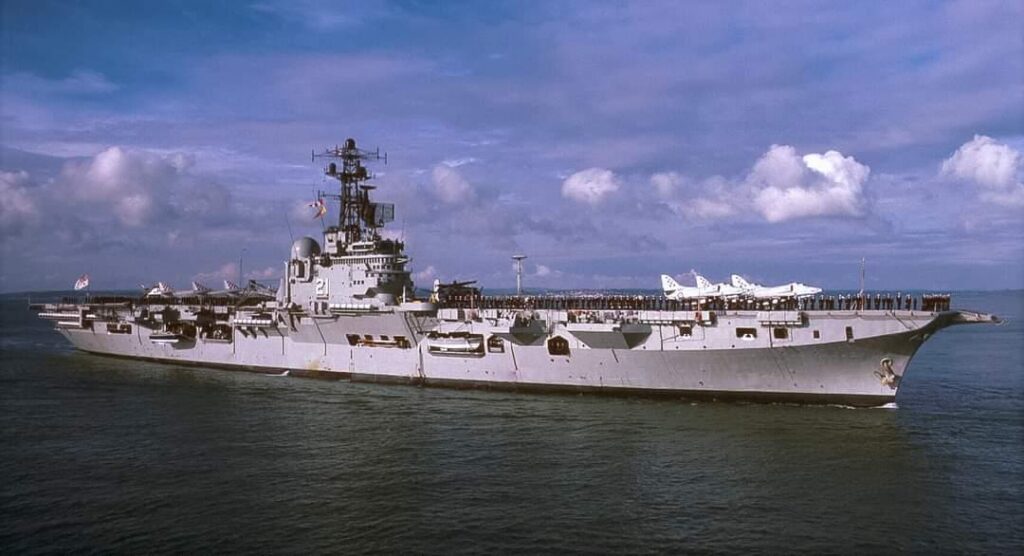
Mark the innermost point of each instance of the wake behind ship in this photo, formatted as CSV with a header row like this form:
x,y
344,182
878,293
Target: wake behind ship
x,y
346,308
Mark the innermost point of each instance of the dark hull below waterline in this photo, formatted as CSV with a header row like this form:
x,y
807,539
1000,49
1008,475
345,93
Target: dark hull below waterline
x,y
851,400
854,400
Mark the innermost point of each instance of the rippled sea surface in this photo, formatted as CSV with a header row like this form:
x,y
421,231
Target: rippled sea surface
x,y
110,455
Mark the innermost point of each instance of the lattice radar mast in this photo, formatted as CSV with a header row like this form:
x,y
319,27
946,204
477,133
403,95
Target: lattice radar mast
x,y
359,219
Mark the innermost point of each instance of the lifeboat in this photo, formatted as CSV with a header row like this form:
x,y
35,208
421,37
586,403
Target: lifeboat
x,y
166,338
258,320
456,344
59,315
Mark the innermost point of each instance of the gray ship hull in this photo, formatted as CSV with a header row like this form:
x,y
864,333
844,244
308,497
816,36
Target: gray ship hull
x,y
816,363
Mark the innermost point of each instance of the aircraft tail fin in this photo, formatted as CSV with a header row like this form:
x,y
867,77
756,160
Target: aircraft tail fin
x,y
199,288
739,282
229,285
669,285
702,282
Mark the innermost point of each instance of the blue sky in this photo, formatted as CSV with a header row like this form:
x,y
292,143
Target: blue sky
x,y
610,142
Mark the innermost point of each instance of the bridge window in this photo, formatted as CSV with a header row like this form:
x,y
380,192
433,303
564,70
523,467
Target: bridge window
x,y
780,333
353,339
495,345
685,331
817,335
849,333
746,333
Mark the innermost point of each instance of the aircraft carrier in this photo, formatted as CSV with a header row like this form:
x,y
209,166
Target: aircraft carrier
x,y
346,308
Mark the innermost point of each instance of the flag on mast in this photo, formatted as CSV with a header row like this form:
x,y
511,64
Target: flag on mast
x,y
320,206
82,282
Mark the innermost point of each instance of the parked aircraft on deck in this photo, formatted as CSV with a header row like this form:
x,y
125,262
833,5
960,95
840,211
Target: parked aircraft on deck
x,y
231,289
703,290
757,291
720,289
161,289
158,290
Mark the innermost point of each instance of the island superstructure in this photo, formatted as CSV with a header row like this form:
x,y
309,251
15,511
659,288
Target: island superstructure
x,y
346,308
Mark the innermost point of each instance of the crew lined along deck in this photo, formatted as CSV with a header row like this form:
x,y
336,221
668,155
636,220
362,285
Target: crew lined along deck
x,y
878,301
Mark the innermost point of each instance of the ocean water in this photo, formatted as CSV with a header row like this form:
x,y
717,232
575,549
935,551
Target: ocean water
x,y
109,455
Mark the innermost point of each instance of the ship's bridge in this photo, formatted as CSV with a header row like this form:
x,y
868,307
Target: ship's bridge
x,y
357,266
372,272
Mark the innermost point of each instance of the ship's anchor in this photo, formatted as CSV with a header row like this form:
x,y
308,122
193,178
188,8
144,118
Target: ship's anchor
x,y
886,374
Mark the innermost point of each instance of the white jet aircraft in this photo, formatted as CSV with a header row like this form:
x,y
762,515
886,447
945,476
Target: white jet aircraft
x,y
720,289
757,291
160,289
703,290
197,289
230,290
259,289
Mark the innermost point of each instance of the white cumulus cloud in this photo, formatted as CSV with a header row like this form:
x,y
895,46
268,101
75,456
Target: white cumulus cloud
x,y
666,184
456,162
709,209
449,185
782,185
426,275
227,271
788,186
134,209
590,186
17,207
711,199
993,167
134,184
264,273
